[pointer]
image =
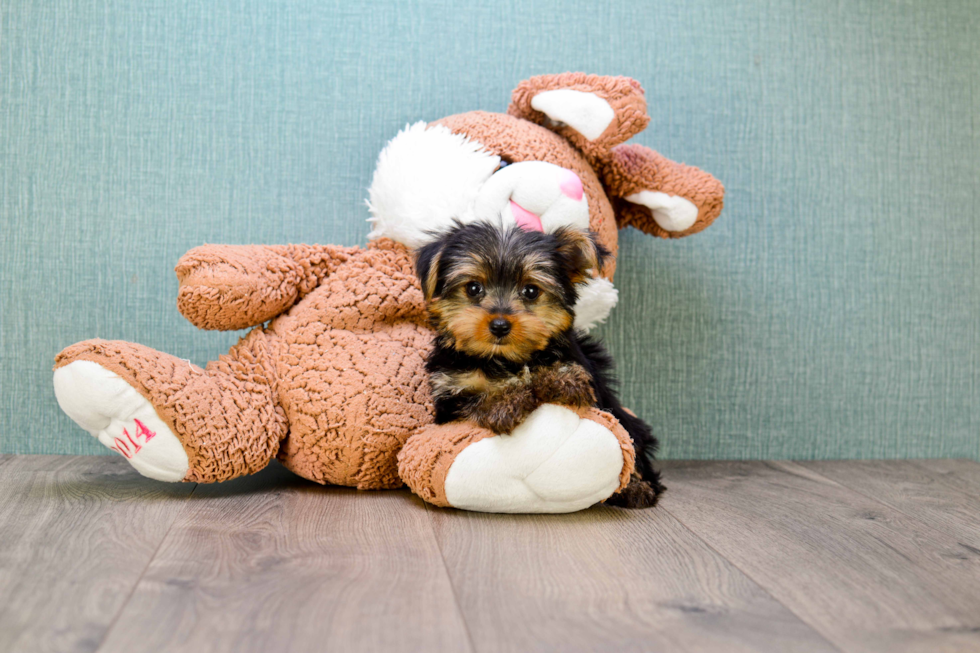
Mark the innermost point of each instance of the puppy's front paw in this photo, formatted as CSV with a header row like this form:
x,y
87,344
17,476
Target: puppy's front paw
x,y
504,412
564,383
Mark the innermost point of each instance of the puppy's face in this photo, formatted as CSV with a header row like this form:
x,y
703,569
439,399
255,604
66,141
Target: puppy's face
x,y
504,292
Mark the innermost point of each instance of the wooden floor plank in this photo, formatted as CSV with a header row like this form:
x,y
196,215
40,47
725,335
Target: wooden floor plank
x,y
75,535
856,556
28,464
914,490
868,577
958,473
275,563
606,580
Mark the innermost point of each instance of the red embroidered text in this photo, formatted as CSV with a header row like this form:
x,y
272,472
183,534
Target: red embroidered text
x,y
128,445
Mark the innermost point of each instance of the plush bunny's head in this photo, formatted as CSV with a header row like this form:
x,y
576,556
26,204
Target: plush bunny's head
x,y
555,159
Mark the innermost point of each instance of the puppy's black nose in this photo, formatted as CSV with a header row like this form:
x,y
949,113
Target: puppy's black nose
x,y
499,327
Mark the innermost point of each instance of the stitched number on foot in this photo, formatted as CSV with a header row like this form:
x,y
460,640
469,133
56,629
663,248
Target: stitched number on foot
x,y
121,418
130,447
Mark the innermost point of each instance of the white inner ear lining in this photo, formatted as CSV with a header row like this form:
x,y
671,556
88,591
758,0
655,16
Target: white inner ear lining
x,y
586,113
671,212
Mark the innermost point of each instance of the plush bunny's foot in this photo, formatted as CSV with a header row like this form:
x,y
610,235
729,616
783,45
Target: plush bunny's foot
x,y
121,418
558,460
554,462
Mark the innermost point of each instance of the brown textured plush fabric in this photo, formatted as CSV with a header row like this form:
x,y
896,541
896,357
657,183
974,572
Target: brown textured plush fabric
x,y
226,287
425,459
634,168
625,169
625,95
341,373
334,383
350,363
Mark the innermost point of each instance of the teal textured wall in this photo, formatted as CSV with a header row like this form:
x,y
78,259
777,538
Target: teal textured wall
x,y
832,311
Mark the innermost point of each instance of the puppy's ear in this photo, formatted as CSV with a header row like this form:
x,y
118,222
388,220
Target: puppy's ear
x,y
427,259
580,254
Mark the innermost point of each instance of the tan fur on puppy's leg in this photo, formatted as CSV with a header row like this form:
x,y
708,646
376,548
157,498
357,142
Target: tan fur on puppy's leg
x,y
502,412
564,383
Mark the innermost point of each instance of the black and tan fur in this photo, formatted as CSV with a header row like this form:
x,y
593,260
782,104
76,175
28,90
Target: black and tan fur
x,y
478,276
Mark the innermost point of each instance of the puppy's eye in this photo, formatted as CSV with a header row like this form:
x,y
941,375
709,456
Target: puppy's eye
x,y
530,292
474,289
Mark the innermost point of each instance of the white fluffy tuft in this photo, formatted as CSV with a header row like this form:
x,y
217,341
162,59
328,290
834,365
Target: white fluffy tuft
x,y
425,177
596,299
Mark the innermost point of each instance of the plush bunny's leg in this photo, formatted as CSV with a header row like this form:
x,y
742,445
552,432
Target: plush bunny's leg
x,y
172,420
558,460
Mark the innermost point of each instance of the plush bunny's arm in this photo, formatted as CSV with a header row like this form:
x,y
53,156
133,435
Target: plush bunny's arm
x,y
228,287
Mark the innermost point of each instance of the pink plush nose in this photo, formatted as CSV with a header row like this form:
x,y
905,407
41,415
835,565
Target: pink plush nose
x,y
571,185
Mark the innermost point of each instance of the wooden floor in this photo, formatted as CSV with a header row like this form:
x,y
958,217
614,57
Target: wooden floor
x,y
741,556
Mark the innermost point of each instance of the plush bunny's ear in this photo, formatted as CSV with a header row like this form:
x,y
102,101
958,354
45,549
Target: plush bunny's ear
x,y
659,196
595,113
598,114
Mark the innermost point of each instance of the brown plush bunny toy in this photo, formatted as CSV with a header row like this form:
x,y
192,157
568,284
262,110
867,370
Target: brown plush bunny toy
x,y
333,385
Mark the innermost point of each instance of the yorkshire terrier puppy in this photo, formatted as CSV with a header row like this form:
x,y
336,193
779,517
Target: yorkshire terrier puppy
x,y
502,304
